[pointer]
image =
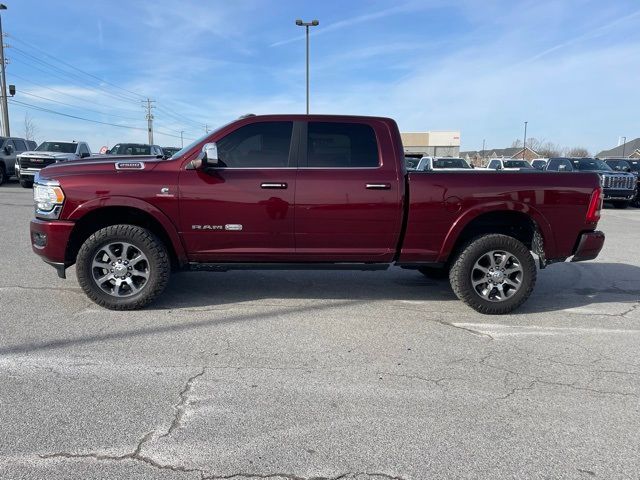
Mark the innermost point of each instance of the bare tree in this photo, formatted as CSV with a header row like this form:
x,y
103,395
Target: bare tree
x,y
30,129
548,150
577,152
517,143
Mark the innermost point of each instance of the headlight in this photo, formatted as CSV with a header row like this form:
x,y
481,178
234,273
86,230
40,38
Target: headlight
x,y
48,199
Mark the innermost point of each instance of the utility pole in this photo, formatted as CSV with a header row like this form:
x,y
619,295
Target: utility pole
x,y
3,87
483,150
524,145
149,105
624,144
181,140
206,128
313,23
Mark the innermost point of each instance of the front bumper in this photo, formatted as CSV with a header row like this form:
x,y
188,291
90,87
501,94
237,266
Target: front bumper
x,y
27,172
589,246
49,239
611,194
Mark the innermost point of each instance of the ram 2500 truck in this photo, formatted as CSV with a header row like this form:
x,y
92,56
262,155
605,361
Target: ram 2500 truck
x,y
308,191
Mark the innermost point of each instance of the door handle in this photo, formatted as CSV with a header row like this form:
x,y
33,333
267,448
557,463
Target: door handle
x,y
273,185
378,186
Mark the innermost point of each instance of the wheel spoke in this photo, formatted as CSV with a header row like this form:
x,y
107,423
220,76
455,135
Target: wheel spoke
x,y
480,281
104,278
505,259
512,270
479,267
512,283
138,258
132,286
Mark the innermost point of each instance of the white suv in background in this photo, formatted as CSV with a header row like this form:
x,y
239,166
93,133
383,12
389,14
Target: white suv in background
x,y
508,164
30,163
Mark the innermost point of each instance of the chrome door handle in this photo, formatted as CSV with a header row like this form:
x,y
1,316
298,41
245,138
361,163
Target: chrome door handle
x,y
378,186
273,185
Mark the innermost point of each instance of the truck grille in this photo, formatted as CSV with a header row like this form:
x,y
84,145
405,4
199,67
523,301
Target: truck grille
x,y
619,181
36,162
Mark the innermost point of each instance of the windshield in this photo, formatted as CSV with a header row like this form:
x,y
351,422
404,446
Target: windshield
x,y
58,147
411,162
635,165
450,163
517,164
618,164
130,149
590,164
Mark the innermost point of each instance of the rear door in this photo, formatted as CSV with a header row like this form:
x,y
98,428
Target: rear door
x,y
243,209
348,193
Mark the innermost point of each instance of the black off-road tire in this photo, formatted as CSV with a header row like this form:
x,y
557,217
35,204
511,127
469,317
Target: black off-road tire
x,y
3,174
435,273
621,205
142,239
460,273
26,183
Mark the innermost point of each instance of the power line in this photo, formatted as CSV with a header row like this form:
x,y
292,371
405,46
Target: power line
x,y
73,67
76,106
69,77
60,92
47,110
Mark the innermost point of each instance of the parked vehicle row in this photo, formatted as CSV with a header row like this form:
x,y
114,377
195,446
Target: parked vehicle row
x,y
24,158
619,176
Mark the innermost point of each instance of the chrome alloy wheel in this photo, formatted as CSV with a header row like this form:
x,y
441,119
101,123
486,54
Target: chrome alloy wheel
x,y
496,276
120,269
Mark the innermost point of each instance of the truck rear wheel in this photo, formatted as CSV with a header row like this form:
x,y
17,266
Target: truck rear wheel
x,y
3,175
493,274
123,267
26,183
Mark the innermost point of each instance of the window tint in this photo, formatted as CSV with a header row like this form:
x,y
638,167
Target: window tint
x,y
264,144
560,165
341,145
20,145
83,149
494,163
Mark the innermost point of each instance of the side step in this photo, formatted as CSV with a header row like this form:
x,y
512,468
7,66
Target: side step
x,y
224,267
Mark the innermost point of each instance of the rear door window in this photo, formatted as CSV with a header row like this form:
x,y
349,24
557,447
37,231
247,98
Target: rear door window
x,y
341,145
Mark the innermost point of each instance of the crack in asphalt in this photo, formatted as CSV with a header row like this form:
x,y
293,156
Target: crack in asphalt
x,y
181,407
437,381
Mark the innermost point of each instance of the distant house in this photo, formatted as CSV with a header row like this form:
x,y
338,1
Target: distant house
x,y
479,157
630,149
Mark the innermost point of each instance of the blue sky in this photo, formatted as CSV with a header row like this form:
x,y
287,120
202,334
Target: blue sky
x,y
570,68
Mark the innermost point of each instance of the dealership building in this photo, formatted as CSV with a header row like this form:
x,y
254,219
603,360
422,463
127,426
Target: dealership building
x,y
431,144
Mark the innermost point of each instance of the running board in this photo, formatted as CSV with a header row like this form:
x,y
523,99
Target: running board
x,y
224,267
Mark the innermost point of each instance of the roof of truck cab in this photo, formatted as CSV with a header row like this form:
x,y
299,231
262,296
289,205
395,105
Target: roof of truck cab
x,y
314,116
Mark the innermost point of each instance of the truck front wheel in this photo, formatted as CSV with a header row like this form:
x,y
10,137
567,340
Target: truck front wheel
x,y
123,267
493,274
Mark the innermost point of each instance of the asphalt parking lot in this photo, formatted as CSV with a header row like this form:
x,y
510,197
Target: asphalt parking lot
x,y
319,375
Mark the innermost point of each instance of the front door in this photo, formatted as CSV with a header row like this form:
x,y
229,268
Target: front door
x,y
243,210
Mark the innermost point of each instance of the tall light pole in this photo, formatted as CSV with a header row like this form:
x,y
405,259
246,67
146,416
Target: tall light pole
x,y
624,144
3,87
524,145
306,25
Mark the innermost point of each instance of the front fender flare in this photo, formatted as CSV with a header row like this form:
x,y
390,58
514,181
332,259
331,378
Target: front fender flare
x,y
131,202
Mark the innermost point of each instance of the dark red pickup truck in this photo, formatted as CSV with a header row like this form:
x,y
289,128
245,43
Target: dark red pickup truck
x,y
308,191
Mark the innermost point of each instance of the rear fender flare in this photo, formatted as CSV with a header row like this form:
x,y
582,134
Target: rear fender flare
x,y
509,206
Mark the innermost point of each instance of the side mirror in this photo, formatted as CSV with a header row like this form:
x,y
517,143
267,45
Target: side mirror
x,y
85,155
498,167
210,158
8,149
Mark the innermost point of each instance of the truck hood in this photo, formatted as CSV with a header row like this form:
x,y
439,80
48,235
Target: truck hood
x,y
100,166
57,155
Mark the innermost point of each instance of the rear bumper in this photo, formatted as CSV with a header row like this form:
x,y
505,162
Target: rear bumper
x,y
589,246
49,239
